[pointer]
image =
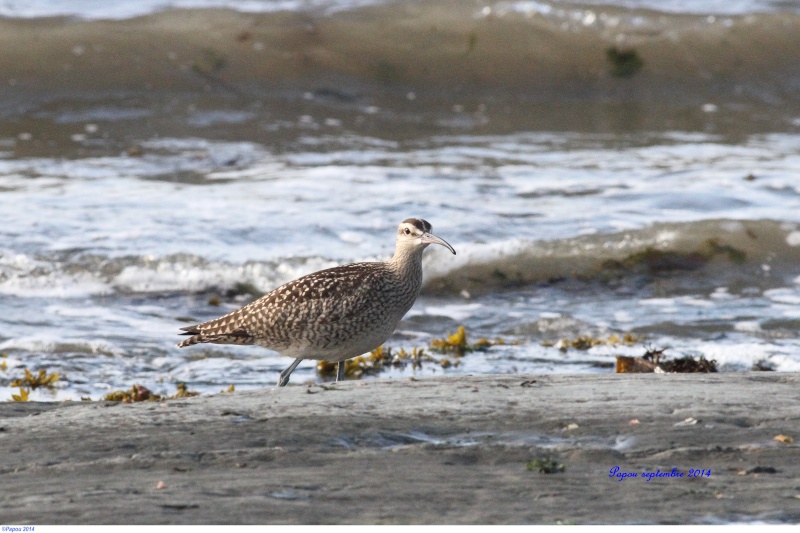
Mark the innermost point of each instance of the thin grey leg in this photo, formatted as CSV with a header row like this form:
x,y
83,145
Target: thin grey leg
x,y
283,379
340,372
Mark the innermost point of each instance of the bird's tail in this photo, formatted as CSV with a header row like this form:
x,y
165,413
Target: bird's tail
x,y
196,336
207,332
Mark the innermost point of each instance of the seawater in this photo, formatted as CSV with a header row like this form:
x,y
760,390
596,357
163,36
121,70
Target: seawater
x,y
128,212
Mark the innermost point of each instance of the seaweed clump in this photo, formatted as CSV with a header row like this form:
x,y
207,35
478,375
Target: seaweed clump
x,y
457,343
762,365
375,362
382,358
653,361
34,381
22,396
585,342
140,393
137,393
689,364
545,465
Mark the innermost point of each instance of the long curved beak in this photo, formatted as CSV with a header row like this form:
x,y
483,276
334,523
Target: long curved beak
x,y
430,238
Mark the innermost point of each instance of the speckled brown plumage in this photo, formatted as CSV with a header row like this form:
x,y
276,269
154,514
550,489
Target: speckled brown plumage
x,y
333,314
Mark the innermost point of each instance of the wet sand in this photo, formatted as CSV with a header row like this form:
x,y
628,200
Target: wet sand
x,y
445,450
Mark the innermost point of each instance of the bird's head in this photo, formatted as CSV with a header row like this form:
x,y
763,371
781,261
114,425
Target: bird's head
x,y
414,232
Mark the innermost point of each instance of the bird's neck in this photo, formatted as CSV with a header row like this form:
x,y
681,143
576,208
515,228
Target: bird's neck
x,y
407,262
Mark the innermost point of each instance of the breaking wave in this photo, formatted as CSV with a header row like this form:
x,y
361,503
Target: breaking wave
x,y
751,251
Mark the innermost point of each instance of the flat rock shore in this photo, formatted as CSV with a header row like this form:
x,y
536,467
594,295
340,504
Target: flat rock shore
x,y
469,450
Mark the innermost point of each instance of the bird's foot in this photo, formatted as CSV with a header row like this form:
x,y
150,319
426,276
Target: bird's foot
x,y
283,379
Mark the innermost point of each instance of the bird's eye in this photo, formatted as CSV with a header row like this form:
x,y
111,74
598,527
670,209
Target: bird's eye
x,y
407,231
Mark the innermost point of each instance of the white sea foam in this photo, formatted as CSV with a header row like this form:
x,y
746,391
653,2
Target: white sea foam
x,y
784,295
793,238
454,311
123,9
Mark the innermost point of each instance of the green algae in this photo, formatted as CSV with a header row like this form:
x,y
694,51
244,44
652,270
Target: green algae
x,y
545,465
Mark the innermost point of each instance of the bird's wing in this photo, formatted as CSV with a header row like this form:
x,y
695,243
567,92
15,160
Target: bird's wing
x,y
317,301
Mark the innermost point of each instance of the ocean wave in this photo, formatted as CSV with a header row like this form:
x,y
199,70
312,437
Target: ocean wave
x,y
72,275
544,51
751,251
717,250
